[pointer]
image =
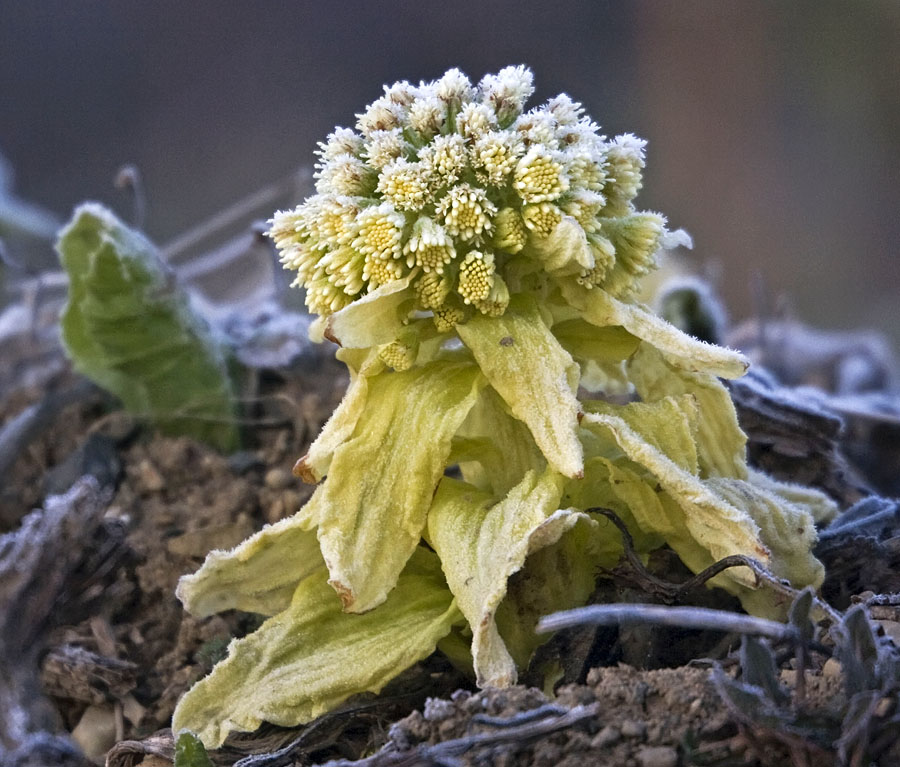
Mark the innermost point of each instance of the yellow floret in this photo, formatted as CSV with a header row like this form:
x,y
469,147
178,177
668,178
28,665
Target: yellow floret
x,y
380,232
429,246
542,218
404,184
446,317
510,233
432,289
476,277
539,176
466,211
497,301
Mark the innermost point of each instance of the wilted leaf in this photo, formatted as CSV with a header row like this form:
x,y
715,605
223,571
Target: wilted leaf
x,y
309,658
721,444
130,329
601,309
260,575
536,377
482,543
372,507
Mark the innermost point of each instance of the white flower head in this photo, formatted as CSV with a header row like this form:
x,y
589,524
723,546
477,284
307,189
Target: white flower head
x,y
427,115
384,146
401,93
332,222
344,175
475,120
445,158
586,168
538,127
625,160
458,188
541,218
540,176
429,246
454,88
564,109
476,277
466,212
382,114
380,232
405,184
340,141
507,92
494,156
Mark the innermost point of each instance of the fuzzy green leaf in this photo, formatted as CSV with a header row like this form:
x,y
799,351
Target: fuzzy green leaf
x,y
601,309
494,450
189,751
261,574
721,444
536,377
129,328
482,544
376,318
311,657
381,481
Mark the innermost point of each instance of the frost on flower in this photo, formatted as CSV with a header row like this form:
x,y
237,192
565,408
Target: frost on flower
x,y
478,263
484,171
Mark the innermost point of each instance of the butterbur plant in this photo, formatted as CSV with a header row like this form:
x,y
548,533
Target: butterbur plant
x,y
478,266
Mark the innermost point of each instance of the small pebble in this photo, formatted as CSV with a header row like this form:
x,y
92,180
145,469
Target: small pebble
x,y
658,756
149,478
278,479
95,732
606,737
631,728
832,668
892,630
788,676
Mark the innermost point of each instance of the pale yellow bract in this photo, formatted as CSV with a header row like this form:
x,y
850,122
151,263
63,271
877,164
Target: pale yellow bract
x,y
477,263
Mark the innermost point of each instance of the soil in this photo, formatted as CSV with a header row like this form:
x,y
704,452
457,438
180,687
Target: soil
x,y
115,676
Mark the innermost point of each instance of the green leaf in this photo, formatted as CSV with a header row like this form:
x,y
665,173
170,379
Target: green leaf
x,y
376,318
261,574
536,377
494,450
374,502
601,309
311,657
129,328
482,543
189,751
788,532
721,444
698,523
339,427
669,425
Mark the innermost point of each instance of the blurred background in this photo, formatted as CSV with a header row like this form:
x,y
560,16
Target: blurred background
x,y
773,128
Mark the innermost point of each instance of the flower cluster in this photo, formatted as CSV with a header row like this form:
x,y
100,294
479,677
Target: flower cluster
x,y
460,189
